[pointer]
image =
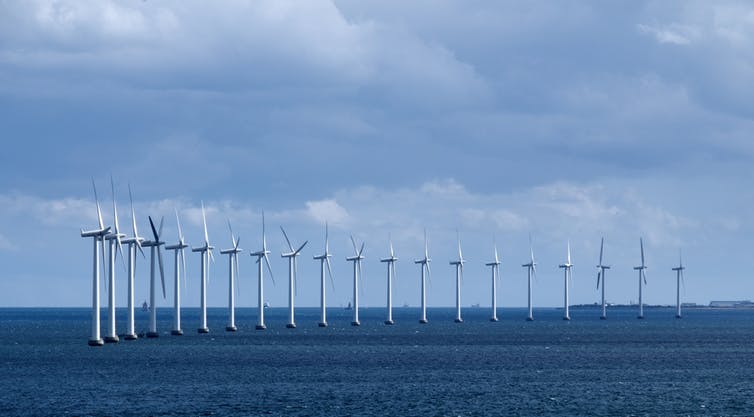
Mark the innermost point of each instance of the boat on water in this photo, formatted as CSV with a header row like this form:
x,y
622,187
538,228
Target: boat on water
x,y
349,306
145,306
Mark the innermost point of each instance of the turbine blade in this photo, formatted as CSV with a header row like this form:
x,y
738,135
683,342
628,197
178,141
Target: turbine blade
x,y
301,247
569,252
211,256
361,277
99,210
238,275
602,245
355,250
178,222
598,280
641,244
232,238
327,239
154,230
162,271
133,213
329,273
288,241
138,245
185,272
426,245
392,252
204,222
295,277
269,268
162,223
497,259
362,248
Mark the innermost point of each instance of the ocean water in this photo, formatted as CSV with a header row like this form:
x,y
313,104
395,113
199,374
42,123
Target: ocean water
x,y
700,365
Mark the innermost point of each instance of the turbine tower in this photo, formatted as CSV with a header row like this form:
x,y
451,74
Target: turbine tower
x,y
324,259
495,266
133,243
154,246
97,236
390,275
642,277
262,254
678,279
113,239
292,277
601,277
424,262
459,274
232,278
206,254
179,262
568,278
356,259
531,271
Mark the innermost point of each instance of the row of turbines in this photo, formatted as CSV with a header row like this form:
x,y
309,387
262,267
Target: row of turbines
x,y
115,240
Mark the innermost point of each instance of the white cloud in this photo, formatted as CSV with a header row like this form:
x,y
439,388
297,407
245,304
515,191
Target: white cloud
x,y
673,34
328,211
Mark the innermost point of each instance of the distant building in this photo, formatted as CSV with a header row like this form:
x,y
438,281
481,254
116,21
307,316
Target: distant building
x,y
732,304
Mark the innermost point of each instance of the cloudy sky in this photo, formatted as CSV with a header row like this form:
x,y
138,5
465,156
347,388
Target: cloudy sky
x,y
563,120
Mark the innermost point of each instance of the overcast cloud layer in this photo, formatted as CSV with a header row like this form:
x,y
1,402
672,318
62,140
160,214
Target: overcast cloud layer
x,y
563,120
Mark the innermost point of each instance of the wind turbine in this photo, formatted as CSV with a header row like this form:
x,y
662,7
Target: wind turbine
x,y
642,277
678,278
97,236
356,259
495,266
206,254
424,262
262,254
390,275
324,259
179,262
459,274
292,277
568,278
601,277
113,239
232,278
531,270
154,246
133,243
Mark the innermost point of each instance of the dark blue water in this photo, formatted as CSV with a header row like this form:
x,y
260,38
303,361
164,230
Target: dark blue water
x,y
700,365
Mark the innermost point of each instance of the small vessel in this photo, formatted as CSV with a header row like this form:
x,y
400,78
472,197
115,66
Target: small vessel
x,y
145,306
266,304
475,305
349,306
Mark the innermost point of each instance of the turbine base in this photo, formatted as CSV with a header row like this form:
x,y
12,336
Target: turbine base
x,y
178,332
130,337
678,316
355,323
603,317
494,319
640,317
322,324
567,318
230,328
152,335
458,320
96,342
423,321
290,326
261,327
530,319
389,322
202,330
112,339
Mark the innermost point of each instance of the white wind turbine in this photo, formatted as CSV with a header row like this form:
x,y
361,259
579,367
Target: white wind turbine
x,y
206,255
678,279
262,254
179,262
324,259
390,275
133,243
356,259
568,278
495,266
292,277
459,274
155,247
97,236
113,239
424,262
233,275
642,277
601,278
531,269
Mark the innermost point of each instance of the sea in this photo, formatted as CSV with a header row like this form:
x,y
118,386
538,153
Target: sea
x,y
702,364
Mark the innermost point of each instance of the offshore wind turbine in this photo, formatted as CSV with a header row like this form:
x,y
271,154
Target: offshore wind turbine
x,y
424,262
292,277
642,277
97,236
568,278
324,259
495,266
531,271
133,243
356,259
390,275
179,262
678,279
601,278
113,239
155,247
206,255
459,274
232,278
262,254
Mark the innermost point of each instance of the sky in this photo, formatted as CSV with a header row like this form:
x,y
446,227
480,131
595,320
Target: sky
x,y
488,121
